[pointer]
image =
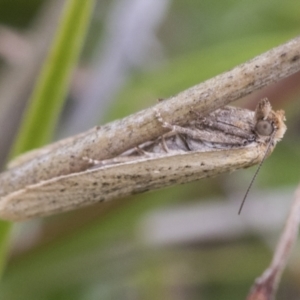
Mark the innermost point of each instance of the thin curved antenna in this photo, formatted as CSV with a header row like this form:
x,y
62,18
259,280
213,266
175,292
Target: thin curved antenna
x,y
255,174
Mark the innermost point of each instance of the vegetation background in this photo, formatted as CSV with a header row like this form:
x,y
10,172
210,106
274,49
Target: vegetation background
x,y
184,242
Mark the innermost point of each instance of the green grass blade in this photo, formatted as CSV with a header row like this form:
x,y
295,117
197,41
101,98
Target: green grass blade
x,y
52,85
47,100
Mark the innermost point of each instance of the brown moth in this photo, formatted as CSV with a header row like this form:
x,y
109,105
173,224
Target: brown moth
x,y
227,139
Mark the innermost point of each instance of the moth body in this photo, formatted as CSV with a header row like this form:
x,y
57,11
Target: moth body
x,y
227,139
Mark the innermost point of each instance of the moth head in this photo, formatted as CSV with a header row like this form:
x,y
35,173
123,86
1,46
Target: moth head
x,y
267,121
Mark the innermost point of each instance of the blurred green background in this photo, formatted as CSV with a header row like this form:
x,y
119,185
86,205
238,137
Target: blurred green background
x,y
184,242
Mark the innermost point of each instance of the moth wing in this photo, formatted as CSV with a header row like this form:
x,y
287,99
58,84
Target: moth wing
x,y
97,185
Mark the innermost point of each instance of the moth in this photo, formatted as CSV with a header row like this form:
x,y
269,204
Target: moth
x,y
225,140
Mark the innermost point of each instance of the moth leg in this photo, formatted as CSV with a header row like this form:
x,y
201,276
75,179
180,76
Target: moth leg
x,y
229,129
94,163
175,129
193,111
162,121
143,152
140,151
91,161
164,144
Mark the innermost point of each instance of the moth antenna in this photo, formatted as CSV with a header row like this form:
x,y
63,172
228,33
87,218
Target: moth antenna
x,y
256,172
